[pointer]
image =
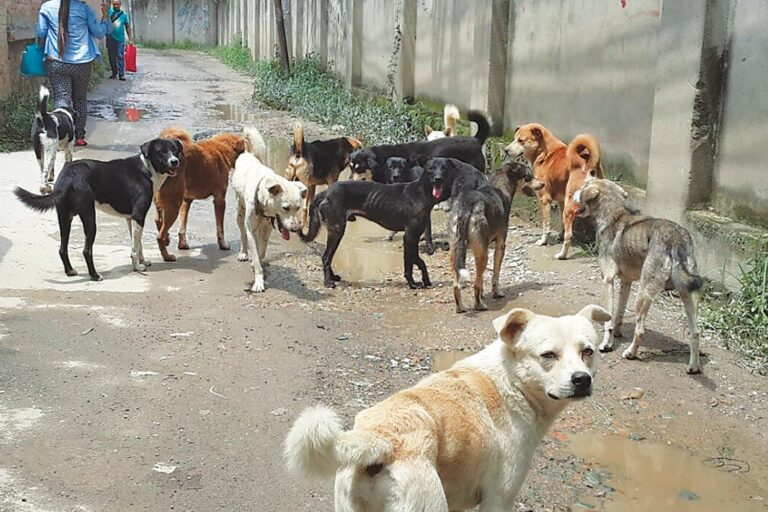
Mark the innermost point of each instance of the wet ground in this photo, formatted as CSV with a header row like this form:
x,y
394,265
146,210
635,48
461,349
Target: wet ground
x,y
173,389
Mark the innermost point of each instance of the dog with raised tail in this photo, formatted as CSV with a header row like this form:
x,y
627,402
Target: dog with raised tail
x,y
462,437
265,200
51,132
562,167
450,119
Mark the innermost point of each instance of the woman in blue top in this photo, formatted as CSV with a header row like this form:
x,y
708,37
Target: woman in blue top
x,y
68,29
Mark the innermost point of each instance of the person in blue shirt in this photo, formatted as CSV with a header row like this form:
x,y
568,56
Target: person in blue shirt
x,y
68,30
117,39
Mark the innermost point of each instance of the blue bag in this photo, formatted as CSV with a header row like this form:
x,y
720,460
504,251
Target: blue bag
x,y
33,61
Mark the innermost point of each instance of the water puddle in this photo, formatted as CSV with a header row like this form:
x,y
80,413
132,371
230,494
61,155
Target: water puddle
x,y
130,114
651,476
236,113
363,256
444,359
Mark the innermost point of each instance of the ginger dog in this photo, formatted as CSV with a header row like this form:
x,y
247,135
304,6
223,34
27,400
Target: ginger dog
x,y
562,167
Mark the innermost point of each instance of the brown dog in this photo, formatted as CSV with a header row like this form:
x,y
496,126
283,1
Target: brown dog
x,y
204,172
562,167
318,162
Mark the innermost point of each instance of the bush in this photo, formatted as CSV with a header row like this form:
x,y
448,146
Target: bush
x,y
314,94
741,319
16,114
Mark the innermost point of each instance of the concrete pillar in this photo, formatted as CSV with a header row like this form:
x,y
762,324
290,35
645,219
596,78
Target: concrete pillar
x,y
406,69
5,64
687,105
323,33
355,48
253,27
299,23
501,26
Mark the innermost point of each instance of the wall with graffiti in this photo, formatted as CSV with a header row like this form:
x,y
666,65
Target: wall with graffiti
x,y
175,21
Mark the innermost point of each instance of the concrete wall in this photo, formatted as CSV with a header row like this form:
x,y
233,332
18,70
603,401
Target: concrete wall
x,y
175,21
586,66
740,177
453,51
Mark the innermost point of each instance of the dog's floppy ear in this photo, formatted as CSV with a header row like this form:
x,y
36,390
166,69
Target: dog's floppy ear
x,y
595,313
536,132
428,130
371,162
180,146
420,160
274,188
145,148
511,326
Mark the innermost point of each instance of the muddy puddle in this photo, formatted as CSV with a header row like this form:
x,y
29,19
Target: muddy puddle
x,y
640,476
130,114
444,359
235,113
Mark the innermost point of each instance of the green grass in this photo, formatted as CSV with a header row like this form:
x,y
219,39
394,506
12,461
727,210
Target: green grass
x,y
156,45
741,318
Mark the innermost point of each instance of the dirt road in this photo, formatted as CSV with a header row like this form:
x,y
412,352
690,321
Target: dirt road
x,y
172,390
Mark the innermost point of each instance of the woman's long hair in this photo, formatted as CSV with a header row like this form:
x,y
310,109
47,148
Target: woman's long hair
x,y
63,26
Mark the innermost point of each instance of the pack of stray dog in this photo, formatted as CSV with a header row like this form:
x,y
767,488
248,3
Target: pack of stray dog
x,y
463,437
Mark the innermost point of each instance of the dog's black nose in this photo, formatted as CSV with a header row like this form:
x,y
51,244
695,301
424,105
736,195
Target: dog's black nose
x,y
581,380
174,161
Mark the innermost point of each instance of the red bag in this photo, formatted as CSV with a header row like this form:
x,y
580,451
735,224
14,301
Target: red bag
x,y
130,58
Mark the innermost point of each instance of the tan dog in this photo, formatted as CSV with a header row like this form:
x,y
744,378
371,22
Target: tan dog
x,y
462,437
634,247
563,168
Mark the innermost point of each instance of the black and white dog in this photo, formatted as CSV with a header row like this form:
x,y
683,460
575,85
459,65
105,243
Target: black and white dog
x,y
123,188
51,131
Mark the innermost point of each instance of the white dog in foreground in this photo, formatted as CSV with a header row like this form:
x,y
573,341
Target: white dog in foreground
x,y
264,200
462,437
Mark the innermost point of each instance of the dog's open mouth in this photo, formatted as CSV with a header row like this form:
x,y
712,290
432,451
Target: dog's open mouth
x,y
172,172
282,229
581,211
437,191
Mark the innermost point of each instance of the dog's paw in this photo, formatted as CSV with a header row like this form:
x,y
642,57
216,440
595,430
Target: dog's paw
x,y
224,246
336,277
629,354
562,255
461,309
243,256
330,284
96,277
542,241
46,189
480,306
169,257
693,369
258,286
146,263
498,295
71,272
183,245
430,249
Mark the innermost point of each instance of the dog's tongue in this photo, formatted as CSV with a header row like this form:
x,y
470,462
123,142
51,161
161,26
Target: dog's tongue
x,y
437,191
285,233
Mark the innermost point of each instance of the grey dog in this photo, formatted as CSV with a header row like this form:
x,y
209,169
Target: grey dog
x,y
634,247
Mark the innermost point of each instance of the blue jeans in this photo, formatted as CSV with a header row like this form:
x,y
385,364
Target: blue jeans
x,y
116,50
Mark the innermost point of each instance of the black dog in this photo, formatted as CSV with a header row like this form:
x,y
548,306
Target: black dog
x,y
370,163
51,131
402,170
123,188
480,217
318,162
398,207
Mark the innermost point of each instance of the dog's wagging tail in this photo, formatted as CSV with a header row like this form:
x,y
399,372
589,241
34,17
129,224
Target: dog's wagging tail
x,y
34,201
314,217
483,126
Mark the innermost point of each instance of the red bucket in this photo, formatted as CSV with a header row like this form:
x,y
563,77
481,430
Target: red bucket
x,y
130,58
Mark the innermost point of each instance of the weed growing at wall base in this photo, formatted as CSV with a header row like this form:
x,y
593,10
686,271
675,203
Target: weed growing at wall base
x,y
742,318
312,93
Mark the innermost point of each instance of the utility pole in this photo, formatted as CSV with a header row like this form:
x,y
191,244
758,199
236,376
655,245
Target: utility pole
x,y
282,42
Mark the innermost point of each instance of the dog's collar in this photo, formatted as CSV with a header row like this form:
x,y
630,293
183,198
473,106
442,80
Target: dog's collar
x,y
147,166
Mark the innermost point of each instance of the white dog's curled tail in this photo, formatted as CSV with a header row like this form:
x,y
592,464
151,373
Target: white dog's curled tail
x,y
451,118
42,102
254,143
317,446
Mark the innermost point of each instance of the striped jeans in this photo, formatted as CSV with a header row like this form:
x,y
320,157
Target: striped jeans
x,y
70,89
